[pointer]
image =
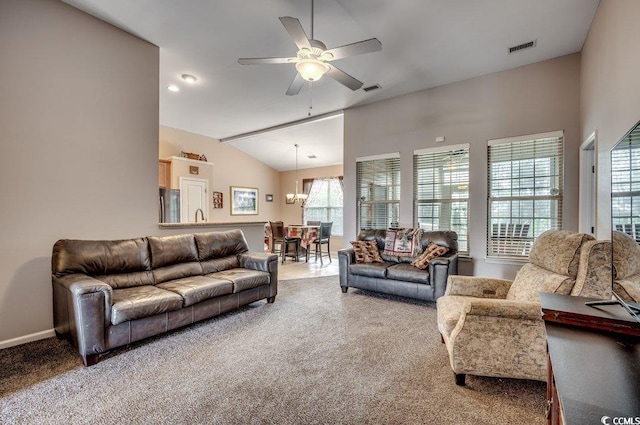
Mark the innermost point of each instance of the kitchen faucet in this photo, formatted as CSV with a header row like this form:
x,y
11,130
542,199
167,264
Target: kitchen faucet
x,y
201,214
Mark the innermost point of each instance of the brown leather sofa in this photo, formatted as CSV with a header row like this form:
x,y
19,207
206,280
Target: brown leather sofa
x,y
107,294
396,275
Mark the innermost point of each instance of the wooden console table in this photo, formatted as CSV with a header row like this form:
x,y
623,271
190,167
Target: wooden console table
x,y
593,373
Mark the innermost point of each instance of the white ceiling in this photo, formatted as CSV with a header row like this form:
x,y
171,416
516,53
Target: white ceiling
x,y
425,43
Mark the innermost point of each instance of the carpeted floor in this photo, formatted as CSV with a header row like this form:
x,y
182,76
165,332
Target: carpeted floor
x,y
315,356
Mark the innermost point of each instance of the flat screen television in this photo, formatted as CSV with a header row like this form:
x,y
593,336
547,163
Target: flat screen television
x,y
625,221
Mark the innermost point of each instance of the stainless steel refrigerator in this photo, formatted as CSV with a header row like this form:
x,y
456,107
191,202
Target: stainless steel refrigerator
x,y
169,201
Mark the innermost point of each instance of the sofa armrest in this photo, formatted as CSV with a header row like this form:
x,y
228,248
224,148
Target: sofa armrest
x,y
82,311
440,268
261,261
265,262
479,287
345,257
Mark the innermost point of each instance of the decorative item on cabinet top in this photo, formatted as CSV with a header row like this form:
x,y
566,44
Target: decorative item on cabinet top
x,y
196,156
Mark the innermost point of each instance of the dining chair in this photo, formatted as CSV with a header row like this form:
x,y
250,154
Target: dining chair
x,y
313,223
324,236
284,243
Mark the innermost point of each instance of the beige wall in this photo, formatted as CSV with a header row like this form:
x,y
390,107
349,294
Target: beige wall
x,y
79,137
532,99
231,167
610,89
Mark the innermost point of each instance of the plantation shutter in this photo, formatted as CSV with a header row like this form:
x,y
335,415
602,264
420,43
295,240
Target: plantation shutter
x,y
378,191
525,192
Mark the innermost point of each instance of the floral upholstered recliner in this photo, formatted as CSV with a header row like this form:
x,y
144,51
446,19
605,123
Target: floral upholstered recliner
x,y
494,327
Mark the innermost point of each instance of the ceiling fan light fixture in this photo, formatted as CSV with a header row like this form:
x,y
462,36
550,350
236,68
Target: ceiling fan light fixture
x,y
312,69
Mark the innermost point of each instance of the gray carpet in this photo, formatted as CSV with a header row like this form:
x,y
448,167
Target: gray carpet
x,y
315,356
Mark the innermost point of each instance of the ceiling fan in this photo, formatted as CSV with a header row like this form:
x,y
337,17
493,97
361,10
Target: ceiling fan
x,y
313,58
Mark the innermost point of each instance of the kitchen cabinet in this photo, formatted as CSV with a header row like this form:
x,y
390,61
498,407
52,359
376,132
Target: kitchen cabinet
x,y
164,173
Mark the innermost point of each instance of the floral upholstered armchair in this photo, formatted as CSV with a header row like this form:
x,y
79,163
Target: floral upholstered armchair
x,y
494,327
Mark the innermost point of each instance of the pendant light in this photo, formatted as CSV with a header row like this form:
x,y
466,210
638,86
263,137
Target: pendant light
x,y
296,197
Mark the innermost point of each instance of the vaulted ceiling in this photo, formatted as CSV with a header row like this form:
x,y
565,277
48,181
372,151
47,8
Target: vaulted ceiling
x,y
425,43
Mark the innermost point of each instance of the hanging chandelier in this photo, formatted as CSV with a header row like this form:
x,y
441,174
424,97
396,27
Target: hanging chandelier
x,y
296,197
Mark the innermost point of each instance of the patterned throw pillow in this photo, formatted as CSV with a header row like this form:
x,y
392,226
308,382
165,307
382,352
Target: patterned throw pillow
x,y
403,242
429,254
366,252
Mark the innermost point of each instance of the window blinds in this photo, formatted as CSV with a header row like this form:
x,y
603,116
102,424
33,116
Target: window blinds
x,y
441,191
625,185
378,191
525,192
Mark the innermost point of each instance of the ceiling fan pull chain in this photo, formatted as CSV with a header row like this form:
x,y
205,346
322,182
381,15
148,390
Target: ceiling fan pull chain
x,y
310,98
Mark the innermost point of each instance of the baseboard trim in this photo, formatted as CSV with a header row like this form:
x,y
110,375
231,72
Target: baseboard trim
x,y
27,338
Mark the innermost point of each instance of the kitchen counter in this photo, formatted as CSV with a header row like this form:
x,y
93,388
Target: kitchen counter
x,y
210,224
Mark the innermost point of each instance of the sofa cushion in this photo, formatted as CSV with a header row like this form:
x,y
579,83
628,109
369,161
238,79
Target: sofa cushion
x,y
532,279
176,271
407,273
96,258
432,251
176,249
403,242
366,252
378,270
242,278
558,251
197,288
127,280
213,245
219,264
142,301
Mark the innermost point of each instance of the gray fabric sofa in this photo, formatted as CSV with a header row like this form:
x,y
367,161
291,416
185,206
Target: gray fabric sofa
x,y
108,294
396,275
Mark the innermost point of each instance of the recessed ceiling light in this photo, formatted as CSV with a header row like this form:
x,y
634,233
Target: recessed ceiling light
x,y
173,87
189,78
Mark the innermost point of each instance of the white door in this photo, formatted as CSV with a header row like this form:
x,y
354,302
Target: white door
x,y
588,185
193,199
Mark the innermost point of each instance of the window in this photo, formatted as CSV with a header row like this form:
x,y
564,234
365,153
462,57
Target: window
x,y
378,191
325,202
441,191
525,192
625,185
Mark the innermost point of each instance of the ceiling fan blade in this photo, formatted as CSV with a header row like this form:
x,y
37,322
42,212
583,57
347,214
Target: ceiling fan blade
x,y
295,30
344,78
359,48
260,61
296,85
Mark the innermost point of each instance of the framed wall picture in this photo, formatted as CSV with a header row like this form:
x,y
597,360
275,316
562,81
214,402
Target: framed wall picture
x,y
244,200
217,199
268,197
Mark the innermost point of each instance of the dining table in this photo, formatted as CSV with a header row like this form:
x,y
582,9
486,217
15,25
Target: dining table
x,y
306,233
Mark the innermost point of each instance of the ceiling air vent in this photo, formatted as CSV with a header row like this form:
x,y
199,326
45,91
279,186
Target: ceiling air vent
x,y
370,88
522,46
311,156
